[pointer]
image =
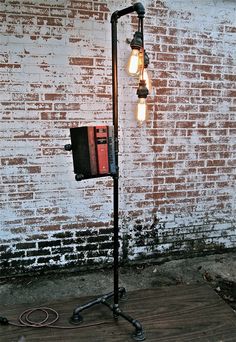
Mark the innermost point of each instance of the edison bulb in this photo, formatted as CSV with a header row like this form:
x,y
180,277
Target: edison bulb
x,y
142,108
133,66
145,76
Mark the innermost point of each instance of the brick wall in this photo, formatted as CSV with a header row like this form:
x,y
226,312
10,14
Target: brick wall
x,y
177,183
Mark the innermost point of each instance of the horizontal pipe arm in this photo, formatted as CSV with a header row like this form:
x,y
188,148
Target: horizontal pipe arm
x,y
137,7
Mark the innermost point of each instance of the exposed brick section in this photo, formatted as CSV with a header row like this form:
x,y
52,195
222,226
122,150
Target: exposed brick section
x,y
177,171
81,61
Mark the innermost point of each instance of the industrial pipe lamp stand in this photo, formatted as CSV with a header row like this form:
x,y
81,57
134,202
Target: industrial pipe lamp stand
x,y
118,292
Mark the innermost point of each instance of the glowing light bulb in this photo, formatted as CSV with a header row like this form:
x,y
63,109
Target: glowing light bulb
x,y
142,108
145,76
133,66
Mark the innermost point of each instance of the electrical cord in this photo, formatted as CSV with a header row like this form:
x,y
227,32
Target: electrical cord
x,y
25,320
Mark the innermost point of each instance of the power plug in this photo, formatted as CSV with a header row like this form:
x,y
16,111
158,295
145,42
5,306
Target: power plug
x,y
4,321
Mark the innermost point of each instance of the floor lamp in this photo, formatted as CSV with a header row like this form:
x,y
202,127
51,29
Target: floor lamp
x,y
137,65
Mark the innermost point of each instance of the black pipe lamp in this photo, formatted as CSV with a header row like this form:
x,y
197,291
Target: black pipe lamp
x,y
138,63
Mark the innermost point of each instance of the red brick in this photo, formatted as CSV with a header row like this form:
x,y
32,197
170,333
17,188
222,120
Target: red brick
x,y
53,97
53,115
42,21
211,77
81,61
230,29
203,68
14,161
10,66
166,57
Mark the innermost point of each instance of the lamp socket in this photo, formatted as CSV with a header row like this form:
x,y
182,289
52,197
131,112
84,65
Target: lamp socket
x,y
142,91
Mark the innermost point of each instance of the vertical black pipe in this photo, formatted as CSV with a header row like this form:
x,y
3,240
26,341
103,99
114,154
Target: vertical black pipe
x,y
116,177
138,7
141,24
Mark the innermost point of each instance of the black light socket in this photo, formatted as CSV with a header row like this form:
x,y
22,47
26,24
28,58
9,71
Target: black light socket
x,y
142,89
137,41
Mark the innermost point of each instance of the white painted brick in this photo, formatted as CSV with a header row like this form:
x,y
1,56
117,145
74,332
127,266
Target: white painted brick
x,y
182,37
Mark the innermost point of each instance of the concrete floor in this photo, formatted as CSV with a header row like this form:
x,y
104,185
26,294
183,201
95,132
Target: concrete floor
x,y
211,269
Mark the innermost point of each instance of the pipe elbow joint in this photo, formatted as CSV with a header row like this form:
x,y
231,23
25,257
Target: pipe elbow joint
x,y
139,8
115,17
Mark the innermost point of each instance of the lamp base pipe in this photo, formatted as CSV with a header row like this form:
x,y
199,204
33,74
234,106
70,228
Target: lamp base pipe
x,y
77,318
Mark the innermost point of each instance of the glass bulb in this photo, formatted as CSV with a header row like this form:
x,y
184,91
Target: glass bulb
x,y
141,115
145,76
133,66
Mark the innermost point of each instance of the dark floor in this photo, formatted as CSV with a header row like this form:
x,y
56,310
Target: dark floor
x,y
182,313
